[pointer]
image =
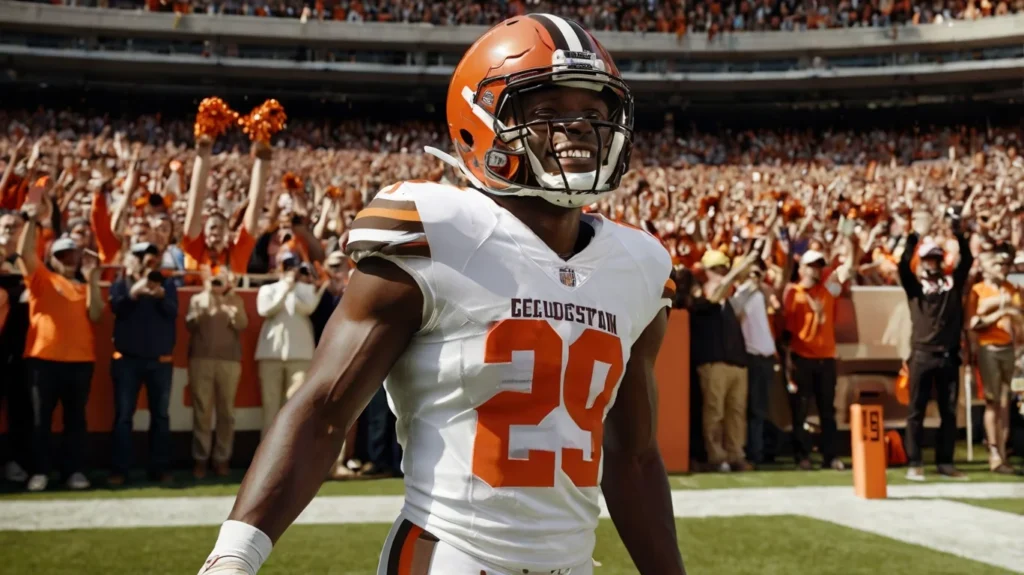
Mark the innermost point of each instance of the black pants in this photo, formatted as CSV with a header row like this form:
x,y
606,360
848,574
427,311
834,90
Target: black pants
x,y
760,376
129,375
15,395
382,444
942,372
817,377
48,383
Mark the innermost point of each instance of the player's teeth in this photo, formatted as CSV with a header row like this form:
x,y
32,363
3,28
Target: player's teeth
x,y
574,154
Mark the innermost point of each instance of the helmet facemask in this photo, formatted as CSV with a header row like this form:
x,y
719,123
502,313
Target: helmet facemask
x,y
513,161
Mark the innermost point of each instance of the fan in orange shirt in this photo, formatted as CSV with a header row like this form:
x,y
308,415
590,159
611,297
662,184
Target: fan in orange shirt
x,y
209,241
59,344
995,314
809,315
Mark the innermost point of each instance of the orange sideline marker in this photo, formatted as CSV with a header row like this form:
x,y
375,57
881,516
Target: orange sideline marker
x,y
867,433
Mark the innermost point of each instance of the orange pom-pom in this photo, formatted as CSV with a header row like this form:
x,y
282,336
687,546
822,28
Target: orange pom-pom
x,y
792,210
291,182
214,118
872,213
264,121
333,192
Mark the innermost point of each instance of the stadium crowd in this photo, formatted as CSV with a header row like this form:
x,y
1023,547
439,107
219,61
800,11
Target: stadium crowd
x,y
764,227
661,16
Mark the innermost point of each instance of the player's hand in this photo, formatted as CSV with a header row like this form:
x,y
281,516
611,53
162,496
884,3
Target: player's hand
x,y
204,143
226,566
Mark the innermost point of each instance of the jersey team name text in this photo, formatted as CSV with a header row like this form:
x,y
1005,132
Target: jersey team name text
x,y
588,316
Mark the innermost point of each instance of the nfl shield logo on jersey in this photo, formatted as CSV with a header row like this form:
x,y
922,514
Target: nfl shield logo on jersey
x,y
567,276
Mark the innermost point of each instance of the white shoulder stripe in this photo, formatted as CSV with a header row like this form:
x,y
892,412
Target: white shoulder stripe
x,y
385,236
570,35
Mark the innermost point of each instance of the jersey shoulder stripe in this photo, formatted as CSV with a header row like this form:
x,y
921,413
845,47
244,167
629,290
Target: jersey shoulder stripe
x,y
669,291
389,225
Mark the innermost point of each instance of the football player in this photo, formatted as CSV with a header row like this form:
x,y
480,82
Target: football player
x,y
515,336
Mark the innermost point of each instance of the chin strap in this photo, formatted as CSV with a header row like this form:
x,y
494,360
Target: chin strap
x,y
456,163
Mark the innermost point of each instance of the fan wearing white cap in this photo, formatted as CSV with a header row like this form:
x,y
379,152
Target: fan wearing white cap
x,y
809,309
59,345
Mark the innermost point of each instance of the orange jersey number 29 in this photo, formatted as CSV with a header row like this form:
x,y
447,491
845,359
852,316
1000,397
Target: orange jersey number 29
x,y
495,417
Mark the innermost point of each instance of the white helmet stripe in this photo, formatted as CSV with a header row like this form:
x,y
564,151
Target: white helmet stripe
x,y
571,40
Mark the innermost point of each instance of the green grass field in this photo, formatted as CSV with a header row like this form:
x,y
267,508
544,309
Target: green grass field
x,y
780,545
1015,506
785,544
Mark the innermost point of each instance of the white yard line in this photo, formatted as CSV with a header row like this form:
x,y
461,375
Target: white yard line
x,y
984,535
908,515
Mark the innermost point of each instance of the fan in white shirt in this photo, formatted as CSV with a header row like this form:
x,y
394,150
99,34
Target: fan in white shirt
x,y
285,347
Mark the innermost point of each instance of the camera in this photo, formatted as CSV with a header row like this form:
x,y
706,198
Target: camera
x,y
155,277
216,282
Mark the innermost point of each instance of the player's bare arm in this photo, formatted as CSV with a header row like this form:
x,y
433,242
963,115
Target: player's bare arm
x,y
635,484
369,330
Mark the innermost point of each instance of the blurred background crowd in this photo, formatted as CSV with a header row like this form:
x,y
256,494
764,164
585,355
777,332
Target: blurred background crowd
x,y
664,16
780,175
139,203
694,190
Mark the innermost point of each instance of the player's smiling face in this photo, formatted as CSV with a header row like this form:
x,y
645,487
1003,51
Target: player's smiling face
x,y
572,144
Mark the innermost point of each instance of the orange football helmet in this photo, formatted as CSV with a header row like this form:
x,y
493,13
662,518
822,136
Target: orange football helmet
x,y
487,124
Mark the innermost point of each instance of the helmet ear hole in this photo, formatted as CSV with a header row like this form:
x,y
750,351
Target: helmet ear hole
x,y
467,138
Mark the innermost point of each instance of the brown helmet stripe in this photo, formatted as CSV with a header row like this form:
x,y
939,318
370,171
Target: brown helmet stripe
x,y
582,35
556,35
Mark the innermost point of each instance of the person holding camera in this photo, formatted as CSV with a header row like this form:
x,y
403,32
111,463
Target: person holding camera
x,y
145,306
286,344
216,319
936,298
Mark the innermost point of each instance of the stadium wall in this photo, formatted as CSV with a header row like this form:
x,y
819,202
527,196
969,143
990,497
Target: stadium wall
x,y
873,329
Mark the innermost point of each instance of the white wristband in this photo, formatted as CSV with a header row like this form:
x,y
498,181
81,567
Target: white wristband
x,y
243,541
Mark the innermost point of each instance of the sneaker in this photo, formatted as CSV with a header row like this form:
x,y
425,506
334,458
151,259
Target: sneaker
x,y
804,465
14,472
37,483
836,465
949,472
342,473
221,469
1004,469
115,480
199,470
724,467
915,473
742,466
371,471
78,481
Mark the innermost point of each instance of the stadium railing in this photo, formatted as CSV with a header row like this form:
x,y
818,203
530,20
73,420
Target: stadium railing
x,y
953,35
168,52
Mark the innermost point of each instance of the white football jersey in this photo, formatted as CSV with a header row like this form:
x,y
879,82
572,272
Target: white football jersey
x,y
501,396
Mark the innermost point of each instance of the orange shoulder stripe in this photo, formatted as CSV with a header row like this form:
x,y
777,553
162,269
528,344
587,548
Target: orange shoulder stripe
x,y
404,215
